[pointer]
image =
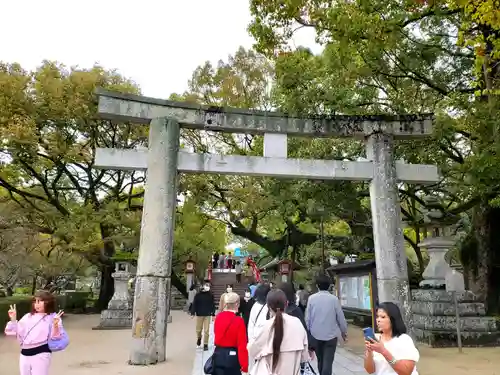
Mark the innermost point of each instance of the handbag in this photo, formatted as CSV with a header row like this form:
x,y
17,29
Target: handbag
x,y
60,343
209,366
307,369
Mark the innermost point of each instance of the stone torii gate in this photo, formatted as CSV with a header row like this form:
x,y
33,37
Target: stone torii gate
x,y
163,160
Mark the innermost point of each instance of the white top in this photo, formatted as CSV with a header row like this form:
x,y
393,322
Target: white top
x,y
256,320
401,348
238,268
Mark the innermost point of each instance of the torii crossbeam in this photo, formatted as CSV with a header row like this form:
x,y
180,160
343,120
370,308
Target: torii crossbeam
x,y
163,161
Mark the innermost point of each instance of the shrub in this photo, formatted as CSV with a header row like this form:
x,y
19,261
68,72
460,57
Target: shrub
x,y
23,290
23,306
76,301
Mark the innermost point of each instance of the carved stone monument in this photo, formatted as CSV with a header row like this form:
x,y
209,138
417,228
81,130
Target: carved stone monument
x,y
434,313
164,160
118,315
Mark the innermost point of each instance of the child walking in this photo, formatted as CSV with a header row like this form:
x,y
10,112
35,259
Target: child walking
x,y
40,332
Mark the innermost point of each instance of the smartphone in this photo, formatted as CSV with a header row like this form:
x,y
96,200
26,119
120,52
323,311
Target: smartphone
x,y
369,334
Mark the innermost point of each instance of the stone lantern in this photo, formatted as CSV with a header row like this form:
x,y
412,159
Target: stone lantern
x,y
118,315
440,242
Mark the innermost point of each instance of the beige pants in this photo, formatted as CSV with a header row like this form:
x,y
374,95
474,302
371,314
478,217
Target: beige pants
x,y
203,324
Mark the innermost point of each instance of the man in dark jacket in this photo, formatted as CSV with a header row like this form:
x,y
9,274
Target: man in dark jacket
x,y
293,310
204,309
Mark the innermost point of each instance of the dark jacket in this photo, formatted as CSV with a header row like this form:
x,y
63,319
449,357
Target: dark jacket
x,y
293,310
203,304
245,308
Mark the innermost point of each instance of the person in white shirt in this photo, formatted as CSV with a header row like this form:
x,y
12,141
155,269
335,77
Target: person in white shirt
x,y
258,316
394,352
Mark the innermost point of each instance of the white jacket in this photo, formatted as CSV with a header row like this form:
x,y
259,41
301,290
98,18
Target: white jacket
x,y
256,321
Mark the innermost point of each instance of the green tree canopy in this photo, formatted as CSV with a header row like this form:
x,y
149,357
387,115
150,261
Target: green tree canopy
x,y
410,57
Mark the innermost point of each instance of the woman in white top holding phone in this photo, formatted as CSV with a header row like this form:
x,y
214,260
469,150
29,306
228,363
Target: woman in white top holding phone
x,y
392,352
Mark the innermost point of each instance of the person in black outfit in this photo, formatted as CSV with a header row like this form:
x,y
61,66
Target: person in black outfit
x,y
216,260
246,304
203,308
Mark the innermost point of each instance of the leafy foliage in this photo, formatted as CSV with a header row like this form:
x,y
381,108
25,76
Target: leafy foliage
x,y
49,130
406,57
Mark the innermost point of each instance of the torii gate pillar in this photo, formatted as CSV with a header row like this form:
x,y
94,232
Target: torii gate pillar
x,y
390,258
152,288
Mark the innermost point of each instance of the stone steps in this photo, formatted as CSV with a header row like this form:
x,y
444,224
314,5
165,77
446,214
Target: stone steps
x,y
449,323
447,339
447,309
221,279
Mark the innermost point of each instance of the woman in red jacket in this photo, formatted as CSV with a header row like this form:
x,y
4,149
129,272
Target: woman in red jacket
x,y
230,339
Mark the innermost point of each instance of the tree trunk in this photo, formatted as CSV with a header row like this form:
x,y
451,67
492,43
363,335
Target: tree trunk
x,y
107,287
49,281
177,283
107,267
9,291
33,284
486,284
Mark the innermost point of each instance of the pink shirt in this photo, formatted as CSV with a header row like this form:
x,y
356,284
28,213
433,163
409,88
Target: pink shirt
x,y
32,330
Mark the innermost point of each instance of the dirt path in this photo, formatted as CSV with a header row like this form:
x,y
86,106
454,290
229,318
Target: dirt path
x,y
93,352
473,361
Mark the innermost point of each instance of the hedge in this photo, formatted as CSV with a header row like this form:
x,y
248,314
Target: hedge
x,y
70,302
76,302
23,306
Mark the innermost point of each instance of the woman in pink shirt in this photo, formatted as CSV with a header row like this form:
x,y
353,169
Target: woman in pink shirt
x,y
39,332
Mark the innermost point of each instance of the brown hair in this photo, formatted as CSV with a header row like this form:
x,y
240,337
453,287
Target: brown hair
x,y
48,299
276,302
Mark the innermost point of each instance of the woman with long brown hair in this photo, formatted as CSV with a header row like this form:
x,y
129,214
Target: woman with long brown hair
x,y
281,346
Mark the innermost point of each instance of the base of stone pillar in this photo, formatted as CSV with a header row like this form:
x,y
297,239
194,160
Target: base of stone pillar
x,y
115,319
434,320
169,319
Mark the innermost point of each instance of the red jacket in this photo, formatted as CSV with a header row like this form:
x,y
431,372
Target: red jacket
x,y
234,337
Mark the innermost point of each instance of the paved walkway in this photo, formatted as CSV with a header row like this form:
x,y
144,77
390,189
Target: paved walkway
x,y
107,352
346,363
93,352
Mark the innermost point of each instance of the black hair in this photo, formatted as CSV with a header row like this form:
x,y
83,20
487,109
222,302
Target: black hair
x,y
301,287
276,301
398,326
323,282
261,293
229,285
289,291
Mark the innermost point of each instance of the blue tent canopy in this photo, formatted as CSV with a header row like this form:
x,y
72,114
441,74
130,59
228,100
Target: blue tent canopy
x,y
240,253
